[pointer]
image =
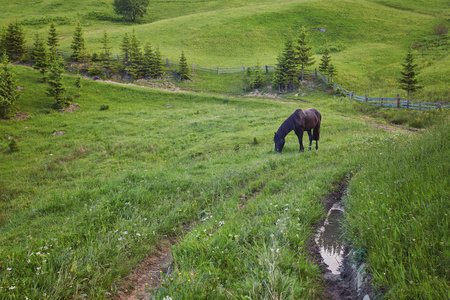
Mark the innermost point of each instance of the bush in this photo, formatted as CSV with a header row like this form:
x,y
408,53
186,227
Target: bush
x,y
104,107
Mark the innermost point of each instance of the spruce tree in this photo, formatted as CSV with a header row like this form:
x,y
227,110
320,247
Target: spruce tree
x,y
324,62
279,79
55,86
331,71
258,79
148,60
125,48
304,51
14,41
158,64
286,68
247,80
39,56
183,69
52,42
78,43
106,49
9,93
408,81
135,62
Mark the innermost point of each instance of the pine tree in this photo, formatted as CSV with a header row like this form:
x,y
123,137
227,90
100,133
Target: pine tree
x,y
247,80
106,49
55,87
304,52
183,67
148,60
3,40
14,41
331,70
135,65
78,43
324,62
158,64
9,93
52,42
409,82
125,48
39,56
258,79
131,9
286,68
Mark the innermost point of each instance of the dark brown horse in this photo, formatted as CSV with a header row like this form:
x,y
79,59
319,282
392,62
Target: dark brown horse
x,y
301,120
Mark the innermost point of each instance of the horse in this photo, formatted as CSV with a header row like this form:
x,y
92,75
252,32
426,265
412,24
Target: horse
x,y
301,120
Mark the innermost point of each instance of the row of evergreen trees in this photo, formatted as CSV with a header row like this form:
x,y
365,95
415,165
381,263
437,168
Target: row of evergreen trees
x,y
292,62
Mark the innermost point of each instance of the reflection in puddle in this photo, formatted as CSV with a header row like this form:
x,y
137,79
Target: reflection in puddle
x,y
329,240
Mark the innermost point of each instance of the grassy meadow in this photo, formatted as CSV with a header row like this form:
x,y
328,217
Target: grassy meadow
x,y
91,193
368,39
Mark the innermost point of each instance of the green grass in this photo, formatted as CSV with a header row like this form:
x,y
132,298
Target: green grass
x,y
368,39
79,210
98,198
397,214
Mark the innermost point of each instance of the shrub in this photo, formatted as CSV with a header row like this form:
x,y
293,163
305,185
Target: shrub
x,y
104,107
13,146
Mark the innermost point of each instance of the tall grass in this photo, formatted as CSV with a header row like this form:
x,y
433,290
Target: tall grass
x,y
397,213
80,209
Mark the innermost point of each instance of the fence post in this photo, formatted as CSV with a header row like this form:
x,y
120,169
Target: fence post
x,y
193,68
315,71
419,105
267,69
365,99
218,70
351,95
439,104
398,101
407,104
167,62
243,69
381,101
117,57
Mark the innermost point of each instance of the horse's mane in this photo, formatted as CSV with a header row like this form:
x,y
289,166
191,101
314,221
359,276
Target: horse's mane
x,y
289,124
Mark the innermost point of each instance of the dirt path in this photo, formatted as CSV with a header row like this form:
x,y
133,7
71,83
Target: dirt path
x,y
146,276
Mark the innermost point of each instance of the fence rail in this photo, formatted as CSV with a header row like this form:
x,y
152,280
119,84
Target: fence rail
x,y
382,101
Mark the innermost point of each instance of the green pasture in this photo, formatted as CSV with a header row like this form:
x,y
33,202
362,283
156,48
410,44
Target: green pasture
x,y
368,39
90,193
80,209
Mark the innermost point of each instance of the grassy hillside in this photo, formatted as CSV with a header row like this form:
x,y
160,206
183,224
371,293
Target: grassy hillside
x,y
369,39
91,193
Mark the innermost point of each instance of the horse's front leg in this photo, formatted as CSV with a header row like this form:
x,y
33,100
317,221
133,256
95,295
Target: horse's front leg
x,y
300,139
310,140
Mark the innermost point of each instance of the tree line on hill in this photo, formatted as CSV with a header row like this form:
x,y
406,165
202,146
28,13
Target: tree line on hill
x,y
43,55
146,62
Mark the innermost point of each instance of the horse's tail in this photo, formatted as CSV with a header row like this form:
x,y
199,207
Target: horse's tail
x,y
316,130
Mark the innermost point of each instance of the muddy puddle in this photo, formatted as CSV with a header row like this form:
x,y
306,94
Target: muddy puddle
x,y
329,239
344,277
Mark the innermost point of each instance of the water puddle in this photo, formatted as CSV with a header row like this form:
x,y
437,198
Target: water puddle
x,y
329,239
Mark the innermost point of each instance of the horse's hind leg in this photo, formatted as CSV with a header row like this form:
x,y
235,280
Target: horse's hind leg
x,y
310,140
317,146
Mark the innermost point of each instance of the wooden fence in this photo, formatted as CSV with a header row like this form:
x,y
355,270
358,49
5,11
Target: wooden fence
x,y
382,102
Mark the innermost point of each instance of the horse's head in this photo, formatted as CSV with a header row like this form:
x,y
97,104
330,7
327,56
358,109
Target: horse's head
x,y
279,143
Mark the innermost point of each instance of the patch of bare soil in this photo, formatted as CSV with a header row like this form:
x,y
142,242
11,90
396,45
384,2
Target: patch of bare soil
x,y
21,116
348,284
147,276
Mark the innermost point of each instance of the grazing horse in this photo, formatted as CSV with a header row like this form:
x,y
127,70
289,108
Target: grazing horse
x,y
301,120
